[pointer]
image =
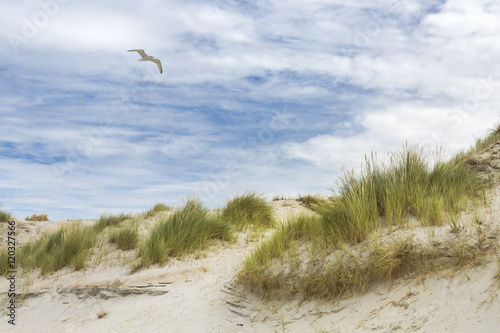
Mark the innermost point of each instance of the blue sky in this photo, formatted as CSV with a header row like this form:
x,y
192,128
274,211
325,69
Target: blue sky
x,y
271,96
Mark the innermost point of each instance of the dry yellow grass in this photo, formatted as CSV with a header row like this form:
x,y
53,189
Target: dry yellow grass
x,y
40,217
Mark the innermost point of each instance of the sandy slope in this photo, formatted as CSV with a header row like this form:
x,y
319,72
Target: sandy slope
x,y
467,301
180,297
198,295
189,295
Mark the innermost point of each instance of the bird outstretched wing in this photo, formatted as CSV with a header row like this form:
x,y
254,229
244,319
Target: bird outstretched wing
x,y
140,51
158,63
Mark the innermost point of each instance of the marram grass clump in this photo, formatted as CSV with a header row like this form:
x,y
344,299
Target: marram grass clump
x,y
405,186
295,264
125,238
257,273
4,260
110,221
311,201
5,216
35,217
186,230
157,208
248,210
493,136
70,245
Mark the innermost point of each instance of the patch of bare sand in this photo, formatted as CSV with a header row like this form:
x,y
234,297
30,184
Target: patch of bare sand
x,y
285,208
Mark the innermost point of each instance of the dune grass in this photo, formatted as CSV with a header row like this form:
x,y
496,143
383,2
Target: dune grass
x,y
465,156
401,256
248,210
281,197
327,256
294,263
186,230
125,238
497,276
311,201
4,260
310,255
157,208
109,221
40,217
69,245
492,137
256,272
405,186
355,271
5,216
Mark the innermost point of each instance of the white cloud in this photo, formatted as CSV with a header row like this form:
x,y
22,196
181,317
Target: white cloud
x,y
346,78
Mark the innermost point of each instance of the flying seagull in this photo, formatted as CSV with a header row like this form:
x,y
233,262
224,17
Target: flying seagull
x,y
145,57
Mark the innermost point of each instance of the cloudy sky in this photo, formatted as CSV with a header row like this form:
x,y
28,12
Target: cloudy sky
x,y
266,95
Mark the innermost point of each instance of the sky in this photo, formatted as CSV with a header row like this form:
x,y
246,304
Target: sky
x,y
269,96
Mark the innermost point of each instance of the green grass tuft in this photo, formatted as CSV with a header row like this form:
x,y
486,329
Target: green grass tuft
x,y
125,238
256,272
4,216
110,221
493,136
247,210
67,246
4,263
186,230
465,157
159,207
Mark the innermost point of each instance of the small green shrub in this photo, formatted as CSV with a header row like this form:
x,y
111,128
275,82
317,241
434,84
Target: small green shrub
x,y
186,230
248,209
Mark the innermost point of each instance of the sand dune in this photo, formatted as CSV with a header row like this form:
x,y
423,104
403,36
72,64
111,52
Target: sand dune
x,y
198,293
